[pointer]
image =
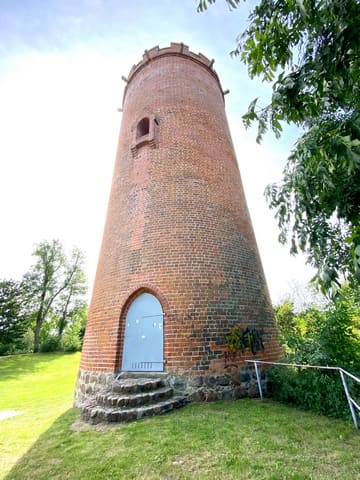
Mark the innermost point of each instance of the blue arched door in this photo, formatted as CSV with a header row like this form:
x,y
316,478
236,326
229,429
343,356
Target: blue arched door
x,y
144,338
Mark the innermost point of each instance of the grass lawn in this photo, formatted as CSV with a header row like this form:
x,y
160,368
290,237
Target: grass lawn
x,y
245,439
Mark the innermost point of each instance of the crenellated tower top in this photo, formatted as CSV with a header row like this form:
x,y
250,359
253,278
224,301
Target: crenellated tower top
x,y
177,49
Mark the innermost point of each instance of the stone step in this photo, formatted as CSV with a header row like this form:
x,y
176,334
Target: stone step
x,y
136,385
132,396
120,400
94,414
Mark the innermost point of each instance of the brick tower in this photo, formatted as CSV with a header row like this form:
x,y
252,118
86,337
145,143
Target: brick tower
x,y
179,265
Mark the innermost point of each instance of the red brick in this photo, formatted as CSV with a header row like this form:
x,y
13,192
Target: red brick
x,y
177,223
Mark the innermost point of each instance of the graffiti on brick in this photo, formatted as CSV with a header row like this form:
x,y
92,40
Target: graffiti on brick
x,y
239,339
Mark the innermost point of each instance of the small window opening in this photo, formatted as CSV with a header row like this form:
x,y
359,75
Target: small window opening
x,y
143,127
144,133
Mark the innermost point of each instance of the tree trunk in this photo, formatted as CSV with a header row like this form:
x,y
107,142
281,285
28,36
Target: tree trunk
x,y
40,315
37,335
62,321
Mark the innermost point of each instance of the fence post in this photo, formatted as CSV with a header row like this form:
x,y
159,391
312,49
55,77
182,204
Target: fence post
x,y
351,406
258,379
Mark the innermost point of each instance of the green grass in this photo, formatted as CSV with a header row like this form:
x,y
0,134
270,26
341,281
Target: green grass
x,y
41,387
245,439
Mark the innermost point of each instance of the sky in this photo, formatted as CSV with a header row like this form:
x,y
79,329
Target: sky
x,y
61,63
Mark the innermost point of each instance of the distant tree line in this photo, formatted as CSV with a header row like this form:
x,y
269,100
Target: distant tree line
x,y
45,310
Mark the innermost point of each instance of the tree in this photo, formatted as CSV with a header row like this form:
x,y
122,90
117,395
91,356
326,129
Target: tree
x,y
53,283
71,298
310,51
72,338
322,335
13,320
287,324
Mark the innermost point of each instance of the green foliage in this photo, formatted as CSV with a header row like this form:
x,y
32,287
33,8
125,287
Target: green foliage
x,y
28,341
318,200
71,300
50,344
13,320
320,391
202,6
339,344
72,338
289,328
71,341
49,301
328,337
309,50
56,286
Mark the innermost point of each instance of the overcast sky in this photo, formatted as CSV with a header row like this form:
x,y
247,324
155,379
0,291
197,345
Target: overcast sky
x,y
61,63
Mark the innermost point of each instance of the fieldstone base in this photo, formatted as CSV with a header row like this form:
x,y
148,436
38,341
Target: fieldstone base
x,y
203,388
131,398
228,386
89,384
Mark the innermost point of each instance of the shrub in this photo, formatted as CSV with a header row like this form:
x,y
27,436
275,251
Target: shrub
x,y
51,344
320,391
28,341
326,337
71,341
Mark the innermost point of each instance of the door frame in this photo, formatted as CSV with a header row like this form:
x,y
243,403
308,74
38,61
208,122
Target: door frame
x,y
122,324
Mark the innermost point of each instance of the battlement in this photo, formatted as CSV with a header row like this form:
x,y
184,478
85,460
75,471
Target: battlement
x,y
177,49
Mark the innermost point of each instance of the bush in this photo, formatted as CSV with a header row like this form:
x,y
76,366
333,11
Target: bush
x,y
320,391
326,337
71,341
24,344
28,341
51,344
6,349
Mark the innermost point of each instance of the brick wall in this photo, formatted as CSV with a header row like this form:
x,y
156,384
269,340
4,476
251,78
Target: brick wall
x,y
177,223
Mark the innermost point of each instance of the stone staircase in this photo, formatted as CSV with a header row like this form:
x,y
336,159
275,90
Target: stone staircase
x,y
132,396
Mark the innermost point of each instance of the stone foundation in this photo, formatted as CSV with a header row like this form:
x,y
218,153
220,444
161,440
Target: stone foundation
x,y
204,388
89,384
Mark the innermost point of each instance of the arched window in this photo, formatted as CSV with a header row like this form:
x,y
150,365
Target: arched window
x,y
144,133
143,128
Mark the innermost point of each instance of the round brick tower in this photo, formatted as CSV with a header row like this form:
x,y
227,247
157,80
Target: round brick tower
x,y
179,265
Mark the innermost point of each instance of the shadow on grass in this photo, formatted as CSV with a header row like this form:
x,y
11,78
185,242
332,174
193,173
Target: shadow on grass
x,y
39,461
16,366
